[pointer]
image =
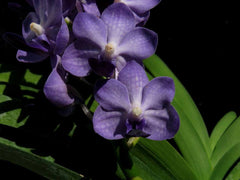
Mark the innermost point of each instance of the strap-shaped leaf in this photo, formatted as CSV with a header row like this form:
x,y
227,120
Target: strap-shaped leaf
x,y
225,163
161,154
221,127
147,166
192,138
45,167
228,140
152,171
235,173
191,147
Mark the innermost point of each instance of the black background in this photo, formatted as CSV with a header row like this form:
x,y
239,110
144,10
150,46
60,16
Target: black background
x,y
198,40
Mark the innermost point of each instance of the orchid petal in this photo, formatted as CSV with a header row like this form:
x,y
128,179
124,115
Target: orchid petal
x,y
161,124
91,7
141,19
31,57
49,12
62,38
141,6
138,44
109,124
134,78
41,43
56,90
90,27
119,20
28,35
112,95
158,93
75,57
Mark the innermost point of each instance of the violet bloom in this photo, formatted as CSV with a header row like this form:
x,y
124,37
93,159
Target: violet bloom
x,y
140,8
67,6
56,89
88,6
106,43
133,106
47,35
45,31
72,7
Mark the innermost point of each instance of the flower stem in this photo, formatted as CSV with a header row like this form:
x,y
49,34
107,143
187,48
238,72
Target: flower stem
x,y
132,141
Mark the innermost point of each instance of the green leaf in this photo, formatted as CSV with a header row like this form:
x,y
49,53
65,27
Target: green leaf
x,y
221,127
10,112
161,156
192,137
147,167
235,173
228,140
30,84
191,147
16,79
45,167
4,77
31,78
225,163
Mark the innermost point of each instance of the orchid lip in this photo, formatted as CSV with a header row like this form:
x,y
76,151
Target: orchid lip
x,y
36,28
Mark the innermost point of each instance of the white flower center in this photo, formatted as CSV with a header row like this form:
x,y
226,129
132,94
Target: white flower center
x,y
36,28
109,50
136,111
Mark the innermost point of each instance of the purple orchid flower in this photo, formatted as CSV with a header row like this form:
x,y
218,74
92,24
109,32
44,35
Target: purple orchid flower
x,y
88,6
70,8
45,31
140,8
47,35
106,43
133,106
67,6
55,89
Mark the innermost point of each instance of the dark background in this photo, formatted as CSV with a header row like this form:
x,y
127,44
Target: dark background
x,y
198,40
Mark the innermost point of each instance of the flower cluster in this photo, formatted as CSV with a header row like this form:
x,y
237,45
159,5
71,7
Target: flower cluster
x,y
78,38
